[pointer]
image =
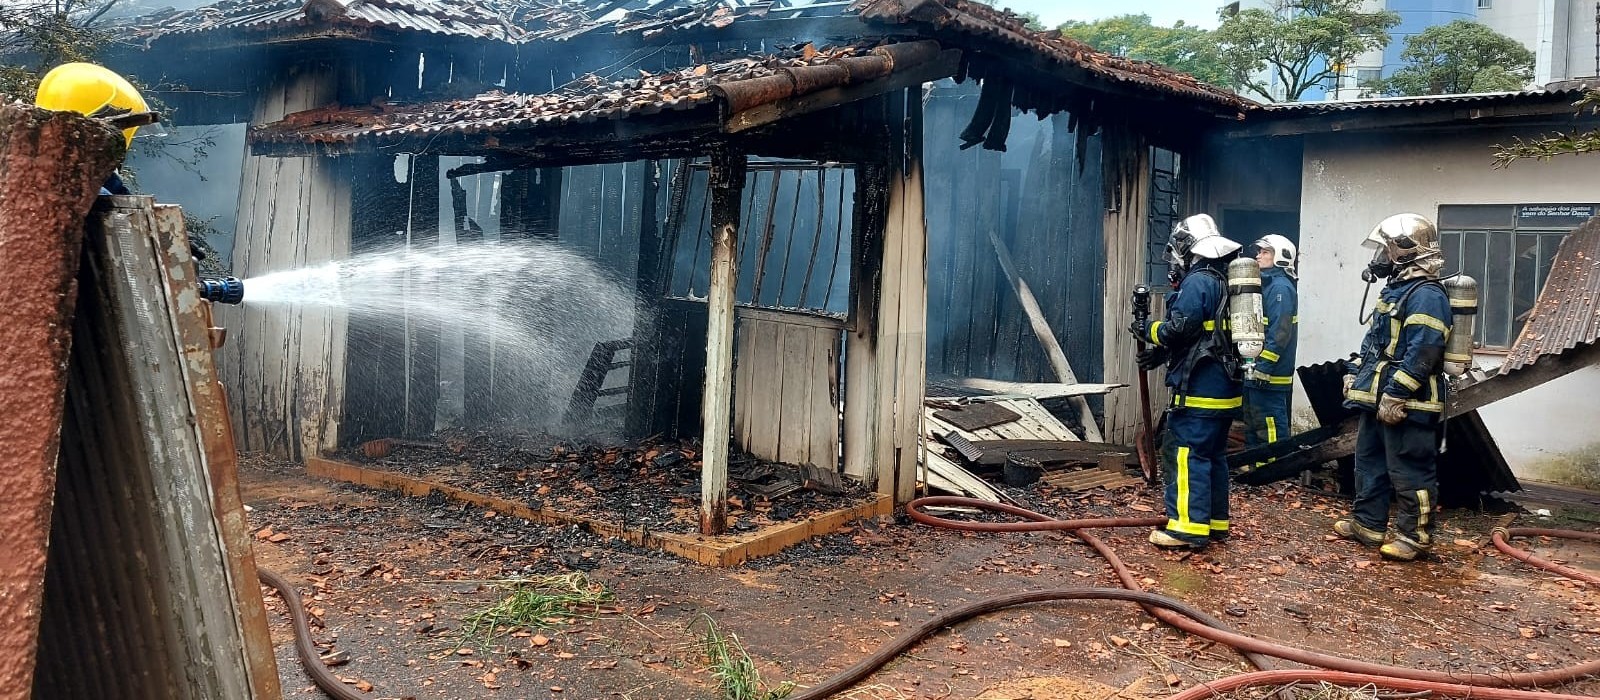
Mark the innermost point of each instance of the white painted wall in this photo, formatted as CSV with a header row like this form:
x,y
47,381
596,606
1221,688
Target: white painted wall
x,y
1351,182
1561,33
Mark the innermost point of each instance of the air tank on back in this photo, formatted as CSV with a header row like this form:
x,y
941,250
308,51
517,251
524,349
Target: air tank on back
x,y
1245,315
1463,293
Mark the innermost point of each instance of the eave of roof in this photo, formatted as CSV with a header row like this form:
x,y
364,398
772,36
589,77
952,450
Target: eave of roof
x,y
1430,111
708,97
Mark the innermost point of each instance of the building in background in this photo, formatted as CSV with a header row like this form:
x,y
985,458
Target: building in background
x,y
1560,33
1338,168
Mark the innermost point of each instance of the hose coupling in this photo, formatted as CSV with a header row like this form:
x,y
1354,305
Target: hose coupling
x,y
222,290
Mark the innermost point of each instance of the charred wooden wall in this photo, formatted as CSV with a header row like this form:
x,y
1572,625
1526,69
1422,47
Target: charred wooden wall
x,y
1045,199
285,366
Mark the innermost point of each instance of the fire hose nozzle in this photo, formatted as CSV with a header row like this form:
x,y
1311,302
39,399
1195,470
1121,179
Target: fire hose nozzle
x,y
1141,302
222,290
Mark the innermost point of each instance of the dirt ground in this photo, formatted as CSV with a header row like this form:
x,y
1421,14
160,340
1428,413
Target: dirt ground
x,y
394,577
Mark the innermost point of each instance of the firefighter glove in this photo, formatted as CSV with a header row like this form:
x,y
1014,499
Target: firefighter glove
x,y
1153,357
1391,409
1349,381
1140,330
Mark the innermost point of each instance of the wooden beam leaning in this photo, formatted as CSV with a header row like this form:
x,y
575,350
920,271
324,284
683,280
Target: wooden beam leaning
x,y
1047,337
727,183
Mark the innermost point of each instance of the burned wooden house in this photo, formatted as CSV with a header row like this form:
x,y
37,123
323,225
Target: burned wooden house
x,y
819,206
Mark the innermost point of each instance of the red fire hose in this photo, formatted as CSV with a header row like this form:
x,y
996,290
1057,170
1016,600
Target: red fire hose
x,y
1371,673
1292,676
1501,536
303,646
1330,669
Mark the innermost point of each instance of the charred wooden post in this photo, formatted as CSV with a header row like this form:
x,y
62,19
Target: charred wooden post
x,y
727,183
887,347
287,369
423,331
642,376
375,373
51,166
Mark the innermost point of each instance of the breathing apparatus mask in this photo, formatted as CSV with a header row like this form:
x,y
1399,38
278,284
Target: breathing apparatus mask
x,y
1404,246
1194,237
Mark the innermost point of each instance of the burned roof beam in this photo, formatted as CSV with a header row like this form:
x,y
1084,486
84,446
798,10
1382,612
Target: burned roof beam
x,y
942,66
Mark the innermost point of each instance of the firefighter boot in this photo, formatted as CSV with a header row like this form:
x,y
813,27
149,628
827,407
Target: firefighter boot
x,y
1349,529
1166,540
1402,548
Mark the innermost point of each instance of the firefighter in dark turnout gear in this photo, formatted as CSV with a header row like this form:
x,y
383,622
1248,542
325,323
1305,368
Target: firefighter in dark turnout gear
x,y
1268,389
1203,374
1398,386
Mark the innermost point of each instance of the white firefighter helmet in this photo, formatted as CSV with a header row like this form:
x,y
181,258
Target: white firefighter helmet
x,y
1284,253
1410,242
1197,236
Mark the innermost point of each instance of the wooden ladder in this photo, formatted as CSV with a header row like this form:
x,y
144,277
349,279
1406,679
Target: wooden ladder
x,y
591,385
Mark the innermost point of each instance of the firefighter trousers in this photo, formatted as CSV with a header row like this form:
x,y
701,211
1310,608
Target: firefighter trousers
x,y
1266,416
1194,465
1397,464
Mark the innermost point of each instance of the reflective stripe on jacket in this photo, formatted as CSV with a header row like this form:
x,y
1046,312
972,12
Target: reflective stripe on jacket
x,y
1403,350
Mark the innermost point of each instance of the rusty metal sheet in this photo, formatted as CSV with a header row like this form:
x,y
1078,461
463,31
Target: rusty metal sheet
x,y
1567,314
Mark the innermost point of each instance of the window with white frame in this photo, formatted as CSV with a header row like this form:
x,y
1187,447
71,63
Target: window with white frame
x,y
1508,249
1485,4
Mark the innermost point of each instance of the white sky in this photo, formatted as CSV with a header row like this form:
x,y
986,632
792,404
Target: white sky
x,y
1164,12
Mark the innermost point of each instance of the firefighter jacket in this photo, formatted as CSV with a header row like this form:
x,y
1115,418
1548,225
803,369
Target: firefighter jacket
x,y
1402,354
1196,336
1280,301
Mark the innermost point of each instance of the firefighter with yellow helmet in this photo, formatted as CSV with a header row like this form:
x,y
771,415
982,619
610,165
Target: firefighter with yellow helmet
x,y
93,91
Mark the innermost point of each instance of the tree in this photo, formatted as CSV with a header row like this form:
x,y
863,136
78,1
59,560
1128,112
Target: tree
x,y
1299,43
1181,47
35,34
1460,57
1547,147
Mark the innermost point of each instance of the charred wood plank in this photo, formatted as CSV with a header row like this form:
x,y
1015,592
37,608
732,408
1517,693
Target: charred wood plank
x,y
727,182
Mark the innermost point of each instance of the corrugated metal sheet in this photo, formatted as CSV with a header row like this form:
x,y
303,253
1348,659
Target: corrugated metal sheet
x,y
1567,314
742,84
560,20
463,18
1487,99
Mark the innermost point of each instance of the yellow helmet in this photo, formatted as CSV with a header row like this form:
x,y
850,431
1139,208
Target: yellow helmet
x,y
87,89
